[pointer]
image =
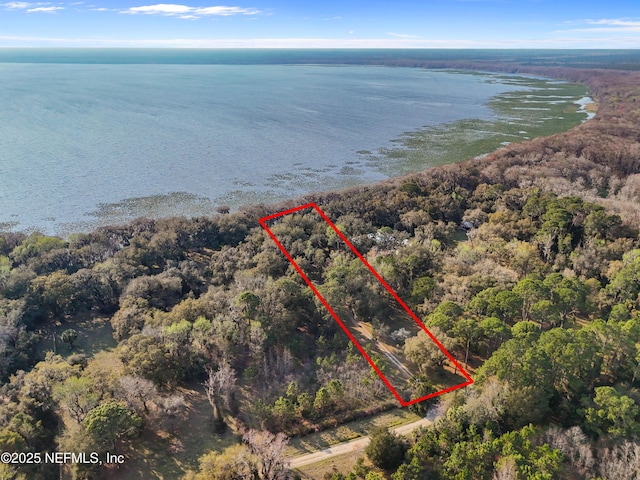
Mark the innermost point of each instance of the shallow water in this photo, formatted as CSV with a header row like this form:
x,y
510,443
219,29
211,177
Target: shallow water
x,y
83,145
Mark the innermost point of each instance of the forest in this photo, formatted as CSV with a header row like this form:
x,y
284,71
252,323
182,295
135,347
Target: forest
x,y
538,297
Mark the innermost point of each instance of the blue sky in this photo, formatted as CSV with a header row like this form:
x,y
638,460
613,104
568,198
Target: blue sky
x,y
328,23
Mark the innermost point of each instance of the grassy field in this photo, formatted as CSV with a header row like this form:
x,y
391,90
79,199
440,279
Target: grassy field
x,y
94,335
340,463
170,451
349,431
167,452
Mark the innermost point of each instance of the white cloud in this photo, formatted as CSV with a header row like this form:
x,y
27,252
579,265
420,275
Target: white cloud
x,y
17,5
225,11
605,25
403,35
32,7
187,12
161,9
44,9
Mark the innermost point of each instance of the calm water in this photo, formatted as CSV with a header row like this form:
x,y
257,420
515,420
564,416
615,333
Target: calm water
x,y
84,144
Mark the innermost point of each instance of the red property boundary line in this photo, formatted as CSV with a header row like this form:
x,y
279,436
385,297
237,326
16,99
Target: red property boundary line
x,y
381,280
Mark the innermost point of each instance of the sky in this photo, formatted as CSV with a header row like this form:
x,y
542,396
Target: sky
x,y
323,24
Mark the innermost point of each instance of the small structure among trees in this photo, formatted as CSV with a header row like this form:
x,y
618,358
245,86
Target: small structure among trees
x,y
400,335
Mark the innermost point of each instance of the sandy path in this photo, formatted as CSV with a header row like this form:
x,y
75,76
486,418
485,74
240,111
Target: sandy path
x,y
360,327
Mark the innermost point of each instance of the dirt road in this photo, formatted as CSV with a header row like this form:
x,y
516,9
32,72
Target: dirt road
x,y
357,446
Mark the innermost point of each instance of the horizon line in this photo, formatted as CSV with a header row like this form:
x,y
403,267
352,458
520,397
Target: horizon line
x,y
180,47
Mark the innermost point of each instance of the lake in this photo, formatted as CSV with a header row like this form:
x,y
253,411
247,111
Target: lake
x,y
86,143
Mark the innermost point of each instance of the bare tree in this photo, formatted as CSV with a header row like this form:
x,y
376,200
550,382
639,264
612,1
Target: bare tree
x,y
171,410
269,449
506,469
574,446
137,391
621,462
257,338
356,378
488,404
220,385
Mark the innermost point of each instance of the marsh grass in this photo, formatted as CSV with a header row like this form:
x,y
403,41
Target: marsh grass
x,y
542,107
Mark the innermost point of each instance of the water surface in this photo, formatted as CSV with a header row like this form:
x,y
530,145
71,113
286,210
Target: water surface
x,y
85,144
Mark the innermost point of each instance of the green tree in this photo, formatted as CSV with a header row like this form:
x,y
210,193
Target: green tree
x,y
420,386
599,225
525,330
77,396
422,289
469,459
449,308
202,337
506,305
322,400
494,332
284,413
531,290
528,371
612,413
625,283
335,389
234,463
544,312
110,422
34,245
575,360
503,304
617,348
424,352
53,294
467,332
69,336
248,302
568,295
147,357
374,476
410,471
177,336
386,449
